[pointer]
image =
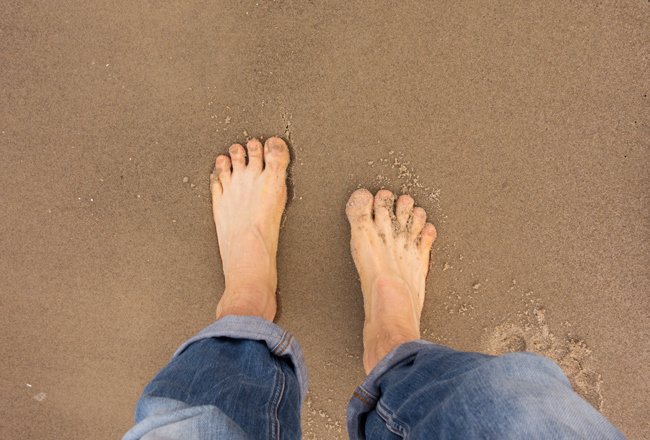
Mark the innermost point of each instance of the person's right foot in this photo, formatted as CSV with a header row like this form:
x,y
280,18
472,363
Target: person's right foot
x,y
391,252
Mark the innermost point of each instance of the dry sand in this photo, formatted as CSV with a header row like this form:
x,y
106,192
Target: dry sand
x,y
522,129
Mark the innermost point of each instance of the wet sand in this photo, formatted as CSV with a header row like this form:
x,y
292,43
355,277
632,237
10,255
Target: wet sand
x,y
522,130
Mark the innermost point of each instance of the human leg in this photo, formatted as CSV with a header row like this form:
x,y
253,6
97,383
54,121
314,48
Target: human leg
x,y
420,390
243,376
423,390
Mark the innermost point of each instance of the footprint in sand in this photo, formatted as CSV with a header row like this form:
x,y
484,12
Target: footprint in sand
x,y
571,355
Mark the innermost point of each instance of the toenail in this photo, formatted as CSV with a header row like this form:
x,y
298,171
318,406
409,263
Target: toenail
x,y
275,144
363,198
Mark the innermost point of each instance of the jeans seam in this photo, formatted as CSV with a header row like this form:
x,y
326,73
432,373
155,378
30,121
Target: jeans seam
x,y
362,399
367,394
277,347
287,346
275,402
392,423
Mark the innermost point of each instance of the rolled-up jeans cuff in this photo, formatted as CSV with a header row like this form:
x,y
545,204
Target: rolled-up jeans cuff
x,y
279,342
367,394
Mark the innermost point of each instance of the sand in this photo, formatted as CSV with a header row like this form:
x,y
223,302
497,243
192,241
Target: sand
x,y
522,129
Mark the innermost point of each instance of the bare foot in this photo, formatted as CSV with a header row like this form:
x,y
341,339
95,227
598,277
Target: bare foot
x,y
391,252
247,203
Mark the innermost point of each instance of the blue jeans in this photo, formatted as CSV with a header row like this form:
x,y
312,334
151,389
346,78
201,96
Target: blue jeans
x,y
245,378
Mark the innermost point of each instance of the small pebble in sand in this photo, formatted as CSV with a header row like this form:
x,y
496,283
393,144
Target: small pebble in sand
x,y
186,179
192,185
445,267
476,286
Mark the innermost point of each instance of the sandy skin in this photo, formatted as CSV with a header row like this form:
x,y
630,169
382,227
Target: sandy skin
x,y
390,246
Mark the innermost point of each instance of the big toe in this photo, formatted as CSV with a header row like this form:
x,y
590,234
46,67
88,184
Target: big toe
x,y
276,154
359,207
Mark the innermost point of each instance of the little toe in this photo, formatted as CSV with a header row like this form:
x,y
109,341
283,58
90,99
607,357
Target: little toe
x,y
384,214
359,207
403,210
418,220
276,154
222,170
255,156
238,158
216,189
427,237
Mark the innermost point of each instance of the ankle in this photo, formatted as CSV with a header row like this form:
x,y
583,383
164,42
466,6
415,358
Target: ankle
x,y
244,311
248,302
379,339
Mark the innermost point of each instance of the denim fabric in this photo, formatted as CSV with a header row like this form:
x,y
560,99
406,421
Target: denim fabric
x,y
240,378
245,378
422,390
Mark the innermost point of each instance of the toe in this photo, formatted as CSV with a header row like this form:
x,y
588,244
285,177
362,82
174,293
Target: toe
x,y
222,170
359,207
403,210
384,214
418,220
238,158
426,240
255,156
276,154
220,177
215,186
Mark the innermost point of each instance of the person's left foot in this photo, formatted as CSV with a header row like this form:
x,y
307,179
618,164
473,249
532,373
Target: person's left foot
x,y
247,203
